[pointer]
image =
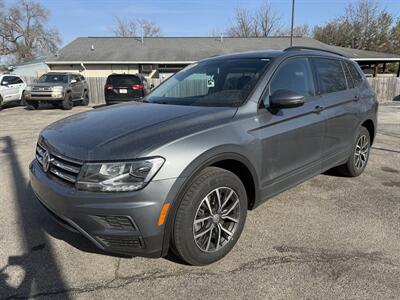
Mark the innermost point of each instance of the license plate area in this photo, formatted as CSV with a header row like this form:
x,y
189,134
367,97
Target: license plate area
x,y
123,91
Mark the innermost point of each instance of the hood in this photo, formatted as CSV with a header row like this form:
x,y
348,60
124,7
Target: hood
x,y
127,131
46,84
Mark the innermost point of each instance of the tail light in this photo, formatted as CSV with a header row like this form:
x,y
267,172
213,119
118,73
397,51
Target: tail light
x,y
108,86
138,86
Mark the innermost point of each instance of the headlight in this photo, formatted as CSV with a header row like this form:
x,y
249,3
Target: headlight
x,y
118,176
58,88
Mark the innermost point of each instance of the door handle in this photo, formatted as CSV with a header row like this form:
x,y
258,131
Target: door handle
x,y
318,109
356,98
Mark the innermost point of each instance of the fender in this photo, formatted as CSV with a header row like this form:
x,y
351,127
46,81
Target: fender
x,y
206,159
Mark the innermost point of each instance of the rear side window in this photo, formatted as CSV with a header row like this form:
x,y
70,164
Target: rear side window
x,y
355,74
350,83
330,75
123,80
294,75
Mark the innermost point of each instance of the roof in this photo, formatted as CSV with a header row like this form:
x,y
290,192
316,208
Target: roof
x,y
31,62
186,49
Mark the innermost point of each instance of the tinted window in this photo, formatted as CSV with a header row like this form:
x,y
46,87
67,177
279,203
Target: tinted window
x,y
18,80
8,79
123,80
53,78
221,82
294,75
350,83
355,74
330,75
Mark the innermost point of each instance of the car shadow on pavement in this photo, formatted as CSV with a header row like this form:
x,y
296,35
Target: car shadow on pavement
x,y
41,274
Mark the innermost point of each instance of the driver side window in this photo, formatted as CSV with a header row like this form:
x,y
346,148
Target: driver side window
x,y
294,75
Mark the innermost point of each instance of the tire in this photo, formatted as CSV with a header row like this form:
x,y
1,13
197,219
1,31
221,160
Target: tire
x,y
358,159
22,102
32,104
1,102
67,103
85,101
204,242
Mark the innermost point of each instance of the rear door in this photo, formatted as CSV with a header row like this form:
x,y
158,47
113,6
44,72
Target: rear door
x,y
292,137
340,102
76,87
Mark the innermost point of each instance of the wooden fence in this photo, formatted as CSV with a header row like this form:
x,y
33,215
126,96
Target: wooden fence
x,y
387,88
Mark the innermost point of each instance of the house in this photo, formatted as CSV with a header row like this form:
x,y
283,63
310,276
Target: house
x,y
158,57
34,68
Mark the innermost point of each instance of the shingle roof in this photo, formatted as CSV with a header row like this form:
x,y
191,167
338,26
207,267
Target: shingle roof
x,y
184,49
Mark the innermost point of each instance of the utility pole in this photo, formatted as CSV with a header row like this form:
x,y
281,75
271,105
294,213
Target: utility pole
x,y
291,28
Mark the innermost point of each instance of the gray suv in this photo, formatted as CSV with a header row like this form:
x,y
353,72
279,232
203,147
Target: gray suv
x,y
59,89
179,171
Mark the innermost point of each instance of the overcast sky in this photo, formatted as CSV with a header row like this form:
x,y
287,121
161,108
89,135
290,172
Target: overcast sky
x,y
75,18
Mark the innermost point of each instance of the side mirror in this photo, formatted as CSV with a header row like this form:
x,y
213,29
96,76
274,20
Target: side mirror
x,y
151,86
285,99
5,83
73,80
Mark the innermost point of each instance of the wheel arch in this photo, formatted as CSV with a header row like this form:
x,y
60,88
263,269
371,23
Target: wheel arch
x,y
231,161
370,126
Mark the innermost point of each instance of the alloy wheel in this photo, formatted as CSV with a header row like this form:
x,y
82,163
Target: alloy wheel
x,y
361,152
217,219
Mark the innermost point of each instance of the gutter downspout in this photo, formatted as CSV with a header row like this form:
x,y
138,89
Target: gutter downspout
x,y
84,68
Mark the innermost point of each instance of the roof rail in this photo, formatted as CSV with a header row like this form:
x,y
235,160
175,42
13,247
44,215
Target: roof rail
x,y
312,48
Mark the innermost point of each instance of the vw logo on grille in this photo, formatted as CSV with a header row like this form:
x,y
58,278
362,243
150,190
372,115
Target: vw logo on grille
x,y
46,161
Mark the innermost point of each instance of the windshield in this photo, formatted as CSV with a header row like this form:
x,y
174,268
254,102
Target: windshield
x,y
53,78
225,82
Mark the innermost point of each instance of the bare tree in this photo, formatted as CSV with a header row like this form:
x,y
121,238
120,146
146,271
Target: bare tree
x,y
266,20
23,31
261,23
363,26
135,27
300,30
243,24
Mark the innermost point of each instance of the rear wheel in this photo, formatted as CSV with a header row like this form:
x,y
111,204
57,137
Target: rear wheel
x,y
85,101
359,157
1,102
210,217
67,103
32,104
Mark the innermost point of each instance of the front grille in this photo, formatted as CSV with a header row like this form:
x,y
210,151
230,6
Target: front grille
x,y
116,242
41,89
61,167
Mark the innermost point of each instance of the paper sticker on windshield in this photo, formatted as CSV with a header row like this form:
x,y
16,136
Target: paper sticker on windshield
x,y
210,82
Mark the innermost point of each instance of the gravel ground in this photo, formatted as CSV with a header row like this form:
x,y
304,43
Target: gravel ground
x,y
329,237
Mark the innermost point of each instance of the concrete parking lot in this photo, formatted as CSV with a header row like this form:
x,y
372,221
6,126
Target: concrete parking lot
x,y
330,237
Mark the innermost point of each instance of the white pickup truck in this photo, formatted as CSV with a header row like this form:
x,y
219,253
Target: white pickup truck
x,y
12,88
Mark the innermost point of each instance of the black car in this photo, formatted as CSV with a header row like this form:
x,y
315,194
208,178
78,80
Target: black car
x,y
125,87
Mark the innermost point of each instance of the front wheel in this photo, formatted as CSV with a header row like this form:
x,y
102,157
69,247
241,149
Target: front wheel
x,y
210,217
358,159
67,103
32,104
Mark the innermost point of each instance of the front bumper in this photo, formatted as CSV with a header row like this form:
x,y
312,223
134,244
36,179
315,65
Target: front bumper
x,y
124,223
44,96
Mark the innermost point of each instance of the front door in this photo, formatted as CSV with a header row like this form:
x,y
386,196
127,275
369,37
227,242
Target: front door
x,y
291,138
10,90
